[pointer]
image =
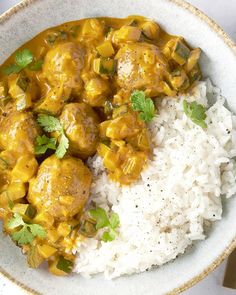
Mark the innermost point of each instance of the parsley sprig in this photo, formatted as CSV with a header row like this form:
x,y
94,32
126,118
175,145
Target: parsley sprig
x,y
103,221
23,58
196,112
27,232
143,104
51,124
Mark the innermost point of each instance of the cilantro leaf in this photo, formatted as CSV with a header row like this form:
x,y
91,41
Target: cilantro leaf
x,y
62,147
103,221
23,236
49,123
43,143
36,66
37,230
27,233
196,112
11,69
114,220
143,104
23,58
109,236
15,221
100,215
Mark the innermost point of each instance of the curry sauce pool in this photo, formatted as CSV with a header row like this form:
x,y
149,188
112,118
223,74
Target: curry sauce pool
x,y
87,96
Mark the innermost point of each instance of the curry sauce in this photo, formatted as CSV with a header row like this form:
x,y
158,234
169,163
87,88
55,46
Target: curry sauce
x,y
76,90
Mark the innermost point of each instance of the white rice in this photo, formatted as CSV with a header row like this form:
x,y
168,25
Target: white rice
x,y
163,213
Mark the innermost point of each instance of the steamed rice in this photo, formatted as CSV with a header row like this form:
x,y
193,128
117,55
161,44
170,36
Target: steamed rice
x,y
164,212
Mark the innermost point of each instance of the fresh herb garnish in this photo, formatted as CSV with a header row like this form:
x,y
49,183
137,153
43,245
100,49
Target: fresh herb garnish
x,y
196,112
64,264
51,124
11,69
103,221
109,236
43,143
143,104
27,232
23,59
100,216
36,66
63,146
114,220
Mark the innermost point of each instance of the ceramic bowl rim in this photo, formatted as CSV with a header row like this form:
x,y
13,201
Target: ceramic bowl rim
x,y
231,44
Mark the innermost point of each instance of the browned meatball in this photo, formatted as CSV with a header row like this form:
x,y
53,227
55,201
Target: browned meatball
x,y
63,64
18,132
61,187
140,66
81,127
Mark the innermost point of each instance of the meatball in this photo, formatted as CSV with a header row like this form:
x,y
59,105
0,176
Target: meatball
x,y
18,131
80,123
140,66
63,64
61,187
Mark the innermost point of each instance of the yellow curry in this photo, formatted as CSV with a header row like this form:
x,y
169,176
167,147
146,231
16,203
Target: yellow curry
x,y
81,88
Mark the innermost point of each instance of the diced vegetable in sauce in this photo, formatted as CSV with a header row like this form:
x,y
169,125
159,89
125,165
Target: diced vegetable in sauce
x,y
151,30
106,49
180,53
104,66
126,34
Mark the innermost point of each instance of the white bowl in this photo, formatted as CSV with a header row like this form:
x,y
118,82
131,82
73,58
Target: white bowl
x,y
218,62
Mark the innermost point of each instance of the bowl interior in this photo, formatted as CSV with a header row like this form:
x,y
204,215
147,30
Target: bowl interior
x,y
218,63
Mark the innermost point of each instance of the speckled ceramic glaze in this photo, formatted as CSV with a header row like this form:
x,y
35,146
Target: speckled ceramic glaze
x,y
219,63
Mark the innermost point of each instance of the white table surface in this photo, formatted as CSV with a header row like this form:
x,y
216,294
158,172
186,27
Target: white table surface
x,y
224,13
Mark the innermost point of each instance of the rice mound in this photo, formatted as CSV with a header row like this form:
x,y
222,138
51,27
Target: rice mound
x,y
181,189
